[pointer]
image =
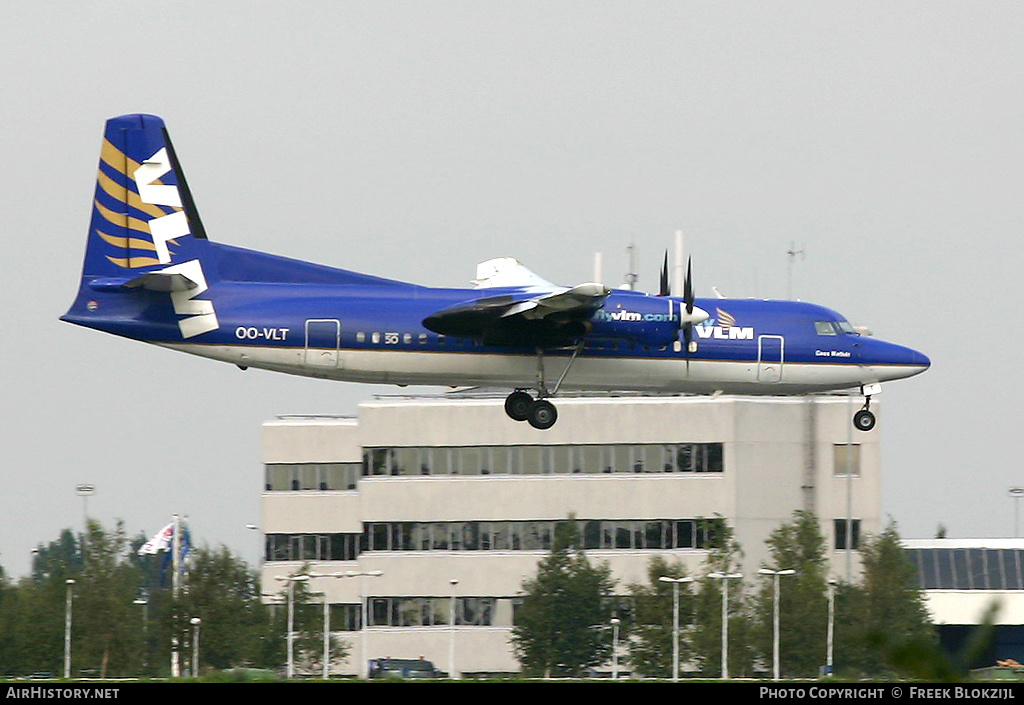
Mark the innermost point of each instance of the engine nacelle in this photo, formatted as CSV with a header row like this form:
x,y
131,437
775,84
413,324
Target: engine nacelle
x,y
652,321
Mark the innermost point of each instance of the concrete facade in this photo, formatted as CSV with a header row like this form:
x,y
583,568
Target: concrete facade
x,y
430,491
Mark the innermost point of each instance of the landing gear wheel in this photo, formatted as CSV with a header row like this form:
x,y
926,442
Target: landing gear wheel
x,y
864,420
543,414
517,405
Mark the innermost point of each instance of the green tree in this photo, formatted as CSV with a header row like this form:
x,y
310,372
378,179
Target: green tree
x,y
803,597
224,593
35,642
109,642
10,626
123,614
882,625
650,636
561,628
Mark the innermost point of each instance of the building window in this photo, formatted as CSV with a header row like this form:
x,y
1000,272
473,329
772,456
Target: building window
x,y
432,611
846,459
595,534
545,459
346,617
312,547
298,477
841,527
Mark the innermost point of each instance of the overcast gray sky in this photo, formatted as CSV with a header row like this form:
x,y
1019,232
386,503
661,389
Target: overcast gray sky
x,y
414,139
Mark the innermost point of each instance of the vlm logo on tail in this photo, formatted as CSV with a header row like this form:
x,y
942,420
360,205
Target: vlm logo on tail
x,y
151,190
139,208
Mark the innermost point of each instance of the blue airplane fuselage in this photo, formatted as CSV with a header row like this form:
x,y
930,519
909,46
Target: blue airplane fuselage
x,y
151,274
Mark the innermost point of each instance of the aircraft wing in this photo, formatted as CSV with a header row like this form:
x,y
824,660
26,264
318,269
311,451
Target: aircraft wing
x,y
551,319
508,272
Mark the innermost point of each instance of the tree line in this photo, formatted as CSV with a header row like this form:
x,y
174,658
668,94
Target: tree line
x,y
126,621
880,625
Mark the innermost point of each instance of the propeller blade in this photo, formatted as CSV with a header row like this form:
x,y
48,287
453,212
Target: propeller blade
x,y
688,287
664,289
688,299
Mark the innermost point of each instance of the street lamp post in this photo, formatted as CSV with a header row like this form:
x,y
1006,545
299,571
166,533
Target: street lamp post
x,y
451,630
775,614
85,490
615,648
291,580
725,578
1016,493
195,622
830,641
67,627
327,637
143,601
364,607
675,620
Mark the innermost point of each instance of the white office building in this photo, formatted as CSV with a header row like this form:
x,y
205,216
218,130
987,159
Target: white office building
x,y
425,504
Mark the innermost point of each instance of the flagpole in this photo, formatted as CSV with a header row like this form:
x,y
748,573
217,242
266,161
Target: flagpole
x,y
175,548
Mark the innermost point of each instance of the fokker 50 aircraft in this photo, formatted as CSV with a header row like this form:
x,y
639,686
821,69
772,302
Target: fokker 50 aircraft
x,y
151,274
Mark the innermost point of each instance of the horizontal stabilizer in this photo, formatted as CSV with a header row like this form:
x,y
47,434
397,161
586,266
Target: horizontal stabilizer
x,y
162,281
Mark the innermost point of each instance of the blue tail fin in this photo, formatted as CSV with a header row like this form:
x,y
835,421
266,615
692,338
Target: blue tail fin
x,y
142,209
145,234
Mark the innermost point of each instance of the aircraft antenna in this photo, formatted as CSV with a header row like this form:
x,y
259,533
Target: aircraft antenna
x,y
792,253
680,258
631,275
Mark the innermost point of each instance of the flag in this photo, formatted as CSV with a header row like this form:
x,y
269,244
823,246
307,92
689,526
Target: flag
x,y
161,541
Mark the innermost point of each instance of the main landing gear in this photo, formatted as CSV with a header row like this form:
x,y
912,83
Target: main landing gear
x,y
539,412
864,419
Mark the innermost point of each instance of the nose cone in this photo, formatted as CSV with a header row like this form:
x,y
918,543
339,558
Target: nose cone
x,y
695,317
893,361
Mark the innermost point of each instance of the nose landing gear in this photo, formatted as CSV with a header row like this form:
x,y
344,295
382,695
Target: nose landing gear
x,y
864,419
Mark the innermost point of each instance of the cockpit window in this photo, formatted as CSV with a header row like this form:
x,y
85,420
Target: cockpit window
x,y
834,328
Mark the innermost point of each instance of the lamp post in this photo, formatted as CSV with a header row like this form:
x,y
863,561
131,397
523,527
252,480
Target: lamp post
x,y
327,637
675,620
451,630
195,622
85,490
725,578
615,648
830,641
67,627
143,601
1016,493
775,614
364,607
291,580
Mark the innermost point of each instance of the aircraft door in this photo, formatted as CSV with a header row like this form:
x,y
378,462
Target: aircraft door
x,y
323,338
771,354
